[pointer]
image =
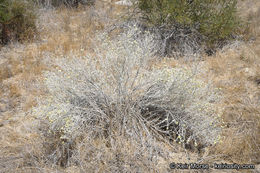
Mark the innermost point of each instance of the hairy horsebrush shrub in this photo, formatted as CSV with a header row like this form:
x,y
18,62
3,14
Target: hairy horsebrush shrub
x,y
116,93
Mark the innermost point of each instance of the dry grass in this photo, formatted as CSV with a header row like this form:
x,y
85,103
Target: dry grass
x,y
249,11
235,70
21,67
62,32
24,144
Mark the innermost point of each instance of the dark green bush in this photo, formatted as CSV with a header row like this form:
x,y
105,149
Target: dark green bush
x,y
215,19
17,20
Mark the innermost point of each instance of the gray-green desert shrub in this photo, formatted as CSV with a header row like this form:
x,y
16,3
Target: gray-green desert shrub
x,y
117,94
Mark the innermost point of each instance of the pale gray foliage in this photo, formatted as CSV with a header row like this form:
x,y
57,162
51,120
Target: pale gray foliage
x,y
116,92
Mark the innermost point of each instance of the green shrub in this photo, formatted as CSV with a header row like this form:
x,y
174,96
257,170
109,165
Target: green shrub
x,y
215,19
17,20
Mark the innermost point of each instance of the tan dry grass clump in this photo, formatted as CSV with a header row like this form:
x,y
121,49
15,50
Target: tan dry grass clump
x,y
249,11
235,70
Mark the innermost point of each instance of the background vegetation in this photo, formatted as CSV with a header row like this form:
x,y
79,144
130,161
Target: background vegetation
x,y
215,20
17,20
